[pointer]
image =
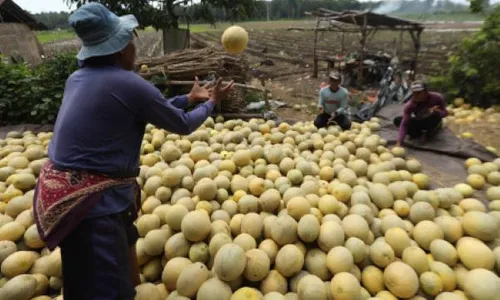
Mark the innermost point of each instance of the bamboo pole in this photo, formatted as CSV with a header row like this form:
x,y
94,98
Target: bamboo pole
x,y
315,59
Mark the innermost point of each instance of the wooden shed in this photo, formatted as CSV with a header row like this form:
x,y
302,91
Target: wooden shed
x,y
365,24
17,39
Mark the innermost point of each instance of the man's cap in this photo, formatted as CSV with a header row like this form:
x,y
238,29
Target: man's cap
x,y
101,31
418,86
334,75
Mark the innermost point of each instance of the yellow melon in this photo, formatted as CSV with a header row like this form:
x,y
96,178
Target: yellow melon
x,y
452,228
416,258
381,254
480,225
172,270
308,228
448,277
257,265
482,284
401,280
339,259
247,293
444,252
493,193
355,226
191,278
345,286
274,282
214,289
298,207
422,180
476,181
195,226
385,295
474,254
398,239
331,235
425,232
431,283
229,262
448,296
289,260
284,230
358,249
311,287
373,279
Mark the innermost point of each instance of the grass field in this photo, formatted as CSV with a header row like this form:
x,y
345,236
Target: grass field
x,y
54,35
58,35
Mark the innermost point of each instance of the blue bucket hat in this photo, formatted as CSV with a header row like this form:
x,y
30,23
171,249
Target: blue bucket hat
x,y
101,31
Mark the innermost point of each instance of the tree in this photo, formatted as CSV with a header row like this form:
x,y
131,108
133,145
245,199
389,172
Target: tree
x,y
53,20
478,6
475,69
165,14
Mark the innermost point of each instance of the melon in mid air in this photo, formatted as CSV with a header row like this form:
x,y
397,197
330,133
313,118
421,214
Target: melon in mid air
x,y
235,39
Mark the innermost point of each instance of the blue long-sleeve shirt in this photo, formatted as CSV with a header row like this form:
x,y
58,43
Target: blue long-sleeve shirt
x,y
101,124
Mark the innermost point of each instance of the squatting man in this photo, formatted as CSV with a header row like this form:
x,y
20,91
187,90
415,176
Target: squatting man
x,y
333,104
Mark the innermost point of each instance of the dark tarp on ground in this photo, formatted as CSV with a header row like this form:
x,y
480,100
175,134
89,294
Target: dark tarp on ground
x,y
442,157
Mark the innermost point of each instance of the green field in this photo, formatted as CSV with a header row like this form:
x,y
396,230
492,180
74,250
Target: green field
x,y
54,35
58,35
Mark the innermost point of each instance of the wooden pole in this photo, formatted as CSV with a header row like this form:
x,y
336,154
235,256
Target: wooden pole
x,y
315,59
362,43
342,43
400,50
415,35
266,100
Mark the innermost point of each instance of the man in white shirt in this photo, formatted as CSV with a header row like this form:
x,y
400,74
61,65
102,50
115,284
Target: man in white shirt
x,y
333,104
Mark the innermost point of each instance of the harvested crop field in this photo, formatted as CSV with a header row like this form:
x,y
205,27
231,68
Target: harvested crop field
x,y
291,53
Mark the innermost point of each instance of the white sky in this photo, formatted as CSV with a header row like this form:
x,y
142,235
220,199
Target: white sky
x,y
35,6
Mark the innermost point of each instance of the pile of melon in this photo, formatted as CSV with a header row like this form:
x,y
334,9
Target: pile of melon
x,y
257,210
468,122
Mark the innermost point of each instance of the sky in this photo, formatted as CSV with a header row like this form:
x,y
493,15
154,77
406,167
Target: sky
x,y
36,6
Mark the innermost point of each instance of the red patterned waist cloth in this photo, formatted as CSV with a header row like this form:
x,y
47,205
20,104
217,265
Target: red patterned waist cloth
x,y
63,198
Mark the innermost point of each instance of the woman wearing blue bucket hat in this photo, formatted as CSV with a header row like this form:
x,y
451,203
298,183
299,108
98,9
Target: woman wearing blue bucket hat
x,y
86,196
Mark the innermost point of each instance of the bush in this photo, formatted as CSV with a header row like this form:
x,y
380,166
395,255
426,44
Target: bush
x,y
33,95
443,85
475,69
